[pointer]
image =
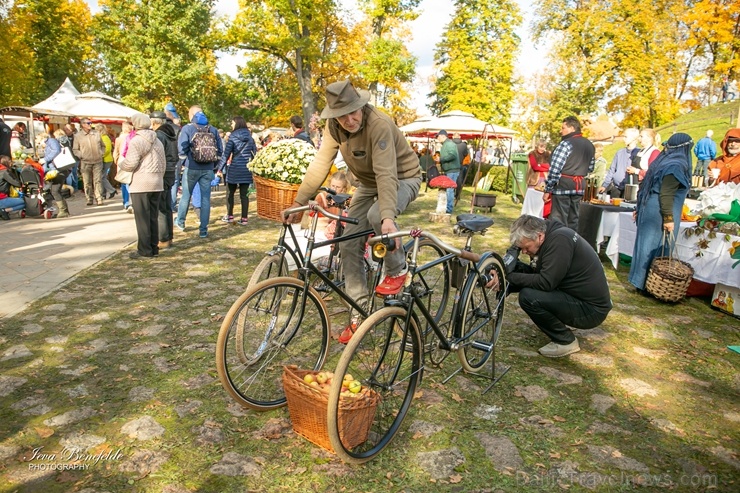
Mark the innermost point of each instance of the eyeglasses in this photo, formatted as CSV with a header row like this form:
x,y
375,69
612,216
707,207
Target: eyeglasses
x,y
85,123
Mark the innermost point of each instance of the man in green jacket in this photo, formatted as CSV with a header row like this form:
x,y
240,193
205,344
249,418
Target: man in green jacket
x,y
449,160
387,168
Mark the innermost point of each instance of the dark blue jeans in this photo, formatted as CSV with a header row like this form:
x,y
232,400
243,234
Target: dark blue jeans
x,y
551,311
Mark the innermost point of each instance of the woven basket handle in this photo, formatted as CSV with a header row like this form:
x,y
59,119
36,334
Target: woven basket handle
x,y
668,238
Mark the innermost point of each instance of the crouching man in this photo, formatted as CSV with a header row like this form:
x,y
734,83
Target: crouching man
x,y
564,285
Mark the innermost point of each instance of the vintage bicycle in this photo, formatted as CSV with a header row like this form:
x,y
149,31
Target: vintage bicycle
x,y
285,321
387,353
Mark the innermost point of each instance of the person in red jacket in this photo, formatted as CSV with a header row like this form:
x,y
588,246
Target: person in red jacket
x,y
539,165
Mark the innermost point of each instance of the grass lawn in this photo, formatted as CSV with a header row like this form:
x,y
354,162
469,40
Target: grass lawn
x,y
119,363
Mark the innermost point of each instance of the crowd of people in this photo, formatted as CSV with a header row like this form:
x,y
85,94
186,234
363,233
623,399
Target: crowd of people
x,y
563,285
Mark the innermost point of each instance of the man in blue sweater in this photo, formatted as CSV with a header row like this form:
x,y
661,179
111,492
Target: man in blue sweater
x,y
705,152
197,172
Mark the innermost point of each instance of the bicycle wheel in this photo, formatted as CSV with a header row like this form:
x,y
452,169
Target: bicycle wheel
x,y
269,267
482,315
266,328
433,287
387,361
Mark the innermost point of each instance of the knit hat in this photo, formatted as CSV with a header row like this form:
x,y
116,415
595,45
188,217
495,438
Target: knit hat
x,y
140,121
442,132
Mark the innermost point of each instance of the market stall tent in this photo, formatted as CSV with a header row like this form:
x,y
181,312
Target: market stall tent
x,y
95,105
467,125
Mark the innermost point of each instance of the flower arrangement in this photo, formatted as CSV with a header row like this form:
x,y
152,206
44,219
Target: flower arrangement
x,y
285,160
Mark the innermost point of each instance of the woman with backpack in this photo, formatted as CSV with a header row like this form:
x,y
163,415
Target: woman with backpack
x,y
240,149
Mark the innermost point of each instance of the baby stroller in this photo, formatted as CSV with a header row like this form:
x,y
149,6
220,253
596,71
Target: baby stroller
x,y
38,198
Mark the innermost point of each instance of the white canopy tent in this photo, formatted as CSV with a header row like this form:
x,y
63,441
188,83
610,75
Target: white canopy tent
x,y
468,126
95,105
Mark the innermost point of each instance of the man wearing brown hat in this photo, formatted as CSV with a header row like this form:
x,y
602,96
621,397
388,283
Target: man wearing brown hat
x,y
387,169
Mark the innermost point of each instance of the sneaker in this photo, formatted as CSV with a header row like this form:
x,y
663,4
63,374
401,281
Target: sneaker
x,y
204,234
130,209
348,332
62,214
552,350
98,202
392,284
89,202
228,219
243,221
135,255
179,226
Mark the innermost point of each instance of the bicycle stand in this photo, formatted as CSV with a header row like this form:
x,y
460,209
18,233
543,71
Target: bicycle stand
x,y
494,379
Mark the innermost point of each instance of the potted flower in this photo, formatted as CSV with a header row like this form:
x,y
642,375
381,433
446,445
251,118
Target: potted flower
x,y
278,170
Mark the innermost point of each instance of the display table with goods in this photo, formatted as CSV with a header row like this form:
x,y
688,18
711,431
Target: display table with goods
x,y
278,171
708,240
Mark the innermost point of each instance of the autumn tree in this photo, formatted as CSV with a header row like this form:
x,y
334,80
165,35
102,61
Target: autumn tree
x,y
298,33
475,59
388,65
159,50
44,42
714,36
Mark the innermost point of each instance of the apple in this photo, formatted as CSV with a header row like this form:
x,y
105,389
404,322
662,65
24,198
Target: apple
x,y
355,386
308,378
347,377
322,377
314,384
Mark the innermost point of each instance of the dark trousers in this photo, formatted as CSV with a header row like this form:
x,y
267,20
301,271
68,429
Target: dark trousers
x,y
166,222
56,192
565,209
146,210
243,197
552,310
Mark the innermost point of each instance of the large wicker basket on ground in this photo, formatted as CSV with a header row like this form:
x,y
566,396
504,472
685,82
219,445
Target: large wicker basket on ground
x,y
273,197
308,409
669,278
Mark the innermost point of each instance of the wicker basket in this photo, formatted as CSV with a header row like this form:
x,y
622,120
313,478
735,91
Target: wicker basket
x,y
669,278
273,197
308,408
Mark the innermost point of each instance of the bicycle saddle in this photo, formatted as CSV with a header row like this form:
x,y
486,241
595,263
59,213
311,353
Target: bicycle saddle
x,y
340,198
474,222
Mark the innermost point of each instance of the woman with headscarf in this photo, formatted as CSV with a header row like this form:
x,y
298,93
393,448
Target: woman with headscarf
x,y
728,163
659,205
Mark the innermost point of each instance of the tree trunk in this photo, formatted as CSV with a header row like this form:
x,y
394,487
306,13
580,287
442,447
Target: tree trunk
x,y
303,75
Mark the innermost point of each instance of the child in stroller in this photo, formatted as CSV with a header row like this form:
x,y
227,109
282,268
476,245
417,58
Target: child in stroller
x,y
36,196
9,177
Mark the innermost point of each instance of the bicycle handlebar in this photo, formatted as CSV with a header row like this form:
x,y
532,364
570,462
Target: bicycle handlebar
x,y
465,254
313,206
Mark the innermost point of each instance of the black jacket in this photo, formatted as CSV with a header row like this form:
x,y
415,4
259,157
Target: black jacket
x,y
566,262
5,134
167,135
303,135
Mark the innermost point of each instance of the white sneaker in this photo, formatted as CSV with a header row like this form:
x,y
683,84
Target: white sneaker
x,y
552,350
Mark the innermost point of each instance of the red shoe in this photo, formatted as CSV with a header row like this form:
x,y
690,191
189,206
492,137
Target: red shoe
x,y
348,332
392,284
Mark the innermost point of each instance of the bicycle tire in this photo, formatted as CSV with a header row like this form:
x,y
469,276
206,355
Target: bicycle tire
x,y
376,346
270,267
264,330
483,312
433,287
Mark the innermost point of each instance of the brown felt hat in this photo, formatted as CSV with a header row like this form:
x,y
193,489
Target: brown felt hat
x,y
342,98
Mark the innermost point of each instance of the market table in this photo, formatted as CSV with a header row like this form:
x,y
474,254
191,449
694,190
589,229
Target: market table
x,y
713,266
533,205
597,222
